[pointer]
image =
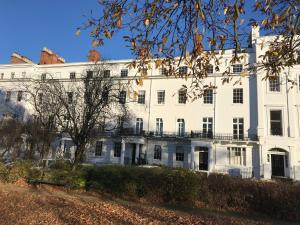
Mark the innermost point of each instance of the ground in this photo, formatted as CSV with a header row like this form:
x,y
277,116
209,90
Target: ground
x,y
24,204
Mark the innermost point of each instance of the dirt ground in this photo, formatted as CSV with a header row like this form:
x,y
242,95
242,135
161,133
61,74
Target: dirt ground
x,y
23,204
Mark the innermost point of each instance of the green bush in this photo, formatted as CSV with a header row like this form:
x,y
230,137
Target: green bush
x,y
68,178
20,169
4,173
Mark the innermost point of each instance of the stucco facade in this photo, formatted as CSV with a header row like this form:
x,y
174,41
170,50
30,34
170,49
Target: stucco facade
x,y
248,129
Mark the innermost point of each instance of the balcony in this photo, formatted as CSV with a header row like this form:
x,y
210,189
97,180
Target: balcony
x,y
185,135
223,137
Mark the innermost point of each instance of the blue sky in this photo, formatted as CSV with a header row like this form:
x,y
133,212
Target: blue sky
x,y
29,25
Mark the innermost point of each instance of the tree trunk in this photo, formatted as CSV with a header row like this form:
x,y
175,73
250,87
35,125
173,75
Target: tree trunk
x,y
79,153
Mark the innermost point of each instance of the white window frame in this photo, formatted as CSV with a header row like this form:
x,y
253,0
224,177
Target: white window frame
x,y
72,75
207,125
270,121
106,74
210,69
180,127
182,98
237,156
237,68
159,126
237,122
161,99
124,73
8,96
208,97
276,86
117,149
19,96
139,124
157,152
163,71
122,97
99,149
70,96
141,97
183,70
238,96
179,153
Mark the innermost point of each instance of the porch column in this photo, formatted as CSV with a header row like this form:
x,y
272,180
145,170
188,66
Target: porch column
x,y
210,158
137,153
122,152
192,157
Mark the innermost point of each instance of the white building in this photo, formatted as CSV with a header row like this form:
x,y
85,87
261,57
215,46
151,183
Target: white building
x,y
250,129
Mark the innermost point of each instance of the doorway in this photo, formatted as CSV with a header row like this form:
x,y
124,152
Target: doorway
x,y
277,162
133,160
203,158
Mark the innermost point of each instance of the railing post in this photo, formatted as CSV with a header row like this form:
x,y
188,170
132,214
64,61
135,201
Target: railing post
x,y
122,152
192,157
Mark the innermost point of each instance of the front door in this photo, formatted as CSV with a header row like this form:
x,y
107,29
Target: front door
x,y
203,158
277,165
133,154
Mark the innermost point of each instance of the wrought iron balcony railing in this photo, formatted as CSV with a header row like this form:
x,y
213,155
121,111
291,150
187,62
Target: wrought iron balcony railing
x,y
192,134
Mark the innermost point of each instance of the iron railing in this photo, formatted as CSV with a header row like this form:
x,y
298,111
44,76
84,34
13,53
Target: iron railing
x,y
192,134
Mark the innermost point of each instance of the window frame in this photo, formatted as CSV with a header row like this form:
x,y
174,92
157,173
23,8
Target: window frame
x,y
238,125
208,97
72,75
141,97
106,74
8,96
237,156
180,127
274,87
117,149
238,96
43,76
139,125
20,96
70,96
182,70
159,129
99,150
237,68
207,126
210,69
276,121
161,99
123,74
122,97
179,153
182,98
157,152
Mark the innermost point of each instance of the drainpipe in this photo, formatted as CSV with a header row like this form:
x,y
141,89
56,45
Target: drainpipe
x,y
287,101
149,104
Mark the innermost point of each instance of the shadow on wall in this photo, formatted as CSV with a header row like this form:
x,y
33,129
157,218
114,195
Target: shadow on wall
x,y
10,106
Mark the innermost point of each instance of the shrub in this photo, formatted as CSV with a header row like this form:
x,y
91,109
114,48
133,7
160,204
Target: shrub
x,y
68,178
20,169
4,173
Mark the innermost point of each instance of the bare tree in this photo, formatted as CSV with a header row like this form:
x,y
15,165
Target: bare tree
x,y
11,141
175,31
41,128
80,107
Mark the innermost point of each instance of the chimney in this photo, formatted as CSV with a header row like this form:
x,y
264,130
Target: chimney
x,y
254,33
16,58
94,56
49,57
